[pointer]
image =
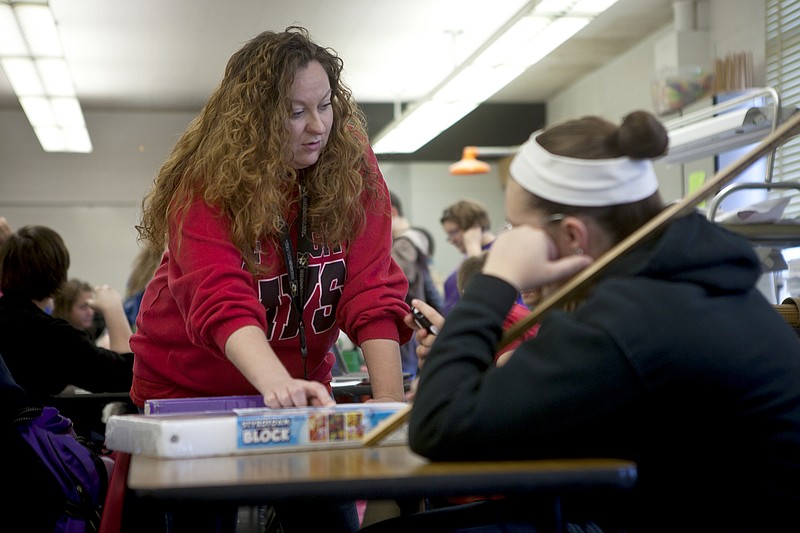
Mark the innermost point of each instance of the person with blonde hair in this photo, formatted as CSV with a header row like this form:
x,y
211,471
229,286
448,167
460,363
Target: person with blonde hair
x,y
73,304
86,309
276,223
144,267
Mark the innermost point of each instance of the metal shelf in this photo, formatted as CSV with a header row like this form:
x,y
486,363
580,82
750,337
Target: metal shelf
x,y
782,235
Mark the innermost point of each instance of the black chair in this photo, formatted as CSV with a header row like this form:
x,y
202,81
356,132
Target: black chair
x,y
86,410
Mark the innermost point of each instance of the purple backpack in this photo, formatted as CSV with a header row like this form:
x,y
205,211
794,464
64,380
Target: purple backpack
x,y
80,471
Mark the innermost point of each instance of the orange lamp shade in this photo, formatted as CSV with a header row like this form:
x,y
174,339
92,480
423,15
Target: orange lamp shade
x,y
469,163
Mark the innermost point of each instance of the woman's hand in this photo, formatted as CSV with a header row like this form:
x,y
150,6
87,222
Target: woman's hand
x,y
290,392
248,349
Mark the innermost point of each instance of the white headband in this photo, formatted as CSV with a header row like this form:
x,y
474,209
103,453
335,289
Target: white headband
x,y
581,182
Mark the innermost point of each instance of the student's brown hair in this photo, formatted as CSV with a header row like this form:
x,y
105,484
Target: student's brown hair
x,y
33,263
467,214
640,136
468,269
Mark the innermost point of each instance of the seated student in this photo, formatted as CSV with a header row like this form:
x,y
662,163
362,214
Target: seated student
x,y
411,250
35,499
673,360
468,228
80,304
468,269
44,353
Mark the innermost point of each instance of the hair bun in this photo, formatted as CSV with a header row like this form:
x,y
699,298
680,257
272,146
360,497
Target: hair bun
x,y
641,136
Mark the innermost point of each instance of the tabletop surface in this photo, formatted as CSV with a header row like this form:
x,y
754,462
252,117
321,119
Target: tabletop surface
x,y
387,471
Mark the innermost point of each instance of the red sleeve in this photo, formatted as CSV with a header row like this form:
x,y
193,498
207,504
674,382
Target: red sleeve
x,y
517,313
373,302
213,292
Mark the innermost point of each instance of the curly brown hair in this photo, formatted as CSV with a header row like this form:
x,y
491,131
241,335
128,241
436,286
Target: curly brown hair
x,y
236,156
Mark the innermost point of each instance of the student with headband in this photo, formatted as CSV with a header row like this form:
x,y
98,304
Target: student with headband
x,y
673,359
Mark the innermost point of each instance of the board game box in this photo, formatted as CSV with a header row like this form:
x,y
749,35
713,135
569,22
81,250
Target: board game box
x,y
180,434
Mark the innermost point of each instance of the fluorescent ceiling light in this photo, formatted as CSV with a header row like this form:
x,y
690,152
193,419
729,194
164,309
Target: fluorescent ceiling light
x,y
55,76
528,37
31,57
11,41
22,75
39,29
430,117
38,110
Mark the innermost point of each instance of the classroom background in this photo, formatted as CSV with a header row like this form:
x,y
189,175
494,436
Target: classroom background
x,y
93,200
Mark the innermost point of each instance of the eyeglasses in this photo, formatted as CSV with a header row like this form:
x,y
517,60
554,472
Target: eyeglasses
x,y
557,217
453,233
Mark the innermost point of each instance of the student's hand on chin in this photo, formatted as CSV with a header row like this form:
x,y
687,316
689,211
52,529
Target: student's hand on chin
x,y
526,257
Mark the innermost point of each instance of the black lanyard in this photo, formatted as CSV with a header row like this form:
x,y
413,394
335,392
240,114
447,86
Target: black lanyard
x,y
297,270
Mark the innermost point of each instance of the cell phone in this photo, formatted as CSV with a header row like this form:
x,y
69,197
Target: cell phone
x,y
423,322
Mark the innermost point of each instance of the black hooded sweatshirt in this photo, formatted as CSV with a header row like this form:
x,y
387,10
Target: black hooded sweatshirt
x,y
674,360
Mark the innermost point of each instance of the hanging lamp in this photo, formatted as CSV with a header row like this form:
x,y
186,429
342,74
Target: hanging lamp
x,y
469,163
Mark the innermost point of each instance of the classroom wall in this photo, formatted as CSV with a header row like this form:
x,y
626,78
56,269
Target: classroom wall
x,y
93,199
613,90
625,84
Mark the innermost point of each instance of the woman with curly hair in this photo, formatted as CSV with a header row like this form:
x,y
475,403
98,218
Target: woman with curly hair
x,y
277,229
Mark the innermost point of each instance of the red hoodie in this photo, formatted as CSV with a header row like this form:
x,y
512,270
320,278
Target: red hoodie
x,y
201,294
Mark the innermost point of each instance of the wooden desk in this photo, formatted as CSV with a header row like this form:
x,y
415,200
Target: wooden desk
x,y
384,472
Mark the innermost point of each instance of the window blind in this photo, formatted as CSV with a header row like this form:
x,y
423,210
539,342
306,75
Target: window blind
x,y
783,74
